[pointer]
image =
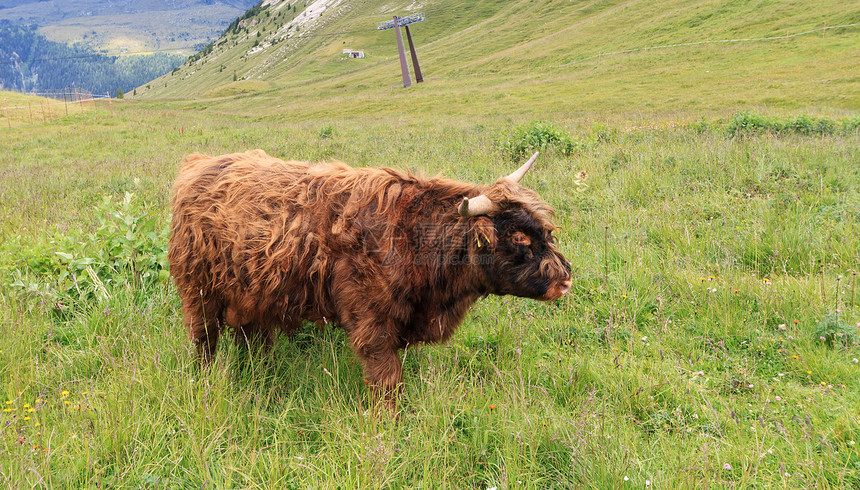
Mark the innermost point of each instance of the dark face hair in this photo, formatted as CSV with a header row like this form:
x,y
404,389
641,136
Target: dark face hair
x,y
526,261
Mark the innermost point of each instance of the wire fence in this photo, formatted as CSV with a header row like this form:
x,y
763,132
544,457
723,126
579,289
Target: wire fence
x,y
48,105
64,94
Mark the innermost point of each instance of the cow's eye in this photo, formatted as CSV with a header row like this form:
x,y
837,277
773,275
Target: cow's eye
x,y
520,238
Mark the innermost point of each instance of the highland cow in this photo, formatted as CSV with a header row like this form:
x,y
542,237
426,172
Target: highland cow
x,y
260,244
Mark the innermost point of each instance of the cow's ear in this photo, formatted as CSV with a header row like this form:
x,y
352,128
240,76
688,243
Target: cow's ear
x,y
482,234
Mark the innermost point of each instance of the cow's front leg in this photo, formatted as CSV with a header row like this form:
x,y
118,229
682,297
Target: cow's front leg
x,y
382,367
203,321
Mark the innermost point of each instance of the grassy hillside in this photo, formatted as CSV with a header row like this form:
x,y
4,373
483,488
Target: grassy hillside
x,y
127,26
21,109
513,53
710,339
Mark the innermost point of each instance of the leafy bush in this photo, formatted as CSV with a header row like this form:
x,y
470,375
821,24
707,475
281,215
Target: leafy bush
x,y
850,124
128,247
702,126
748,123
534,136
326,131
808,125
833,331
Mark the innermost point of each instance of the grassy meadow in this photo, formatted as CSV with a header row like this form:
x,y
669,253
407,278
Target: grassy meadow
x,y
23,109
710,338
707,197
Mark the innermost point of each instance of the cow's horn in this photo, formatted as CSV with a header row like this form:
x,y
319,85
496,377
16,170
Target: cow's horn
x,y
479,205
516,176
475,206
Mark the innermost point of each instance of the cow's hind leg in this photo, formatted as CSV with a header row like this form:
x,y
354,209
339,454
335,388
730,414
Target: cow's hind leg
x,y
204,322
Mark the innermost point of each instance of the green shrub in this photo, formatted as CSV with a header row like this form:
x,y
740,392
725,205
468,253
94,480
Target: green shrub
x,y
703,126
808,125
128,247
850,124
833,331
536,136
326,131
747,123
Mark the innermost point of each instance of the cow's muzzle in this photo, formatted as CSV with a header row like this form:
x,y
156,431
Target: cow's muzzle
x,y
557,290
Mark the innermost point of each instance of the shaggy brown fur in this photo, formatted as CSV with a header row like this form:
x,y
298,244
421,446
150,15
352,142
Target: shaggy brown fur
x,y
261,244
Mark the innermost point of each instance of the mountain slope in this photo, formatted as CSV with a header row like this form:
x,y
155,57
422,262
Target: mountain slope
x,y
127,26
29,62
536,55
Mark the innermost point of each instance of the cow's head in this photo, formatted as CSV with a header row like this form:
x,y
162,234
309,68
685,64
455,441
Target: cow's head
x,y
514,226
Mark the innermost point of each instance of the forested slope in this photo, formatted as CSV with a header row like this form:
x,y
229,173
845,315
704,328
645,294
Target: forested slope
x,y
29,62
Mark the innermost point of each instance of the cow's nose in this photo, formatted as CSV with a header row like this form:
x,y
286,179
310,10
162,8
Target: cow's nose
x,y
565,286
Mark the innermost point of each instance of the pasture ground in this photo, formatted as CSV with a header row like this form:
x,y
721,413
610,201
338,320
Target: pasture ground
x,y
710,338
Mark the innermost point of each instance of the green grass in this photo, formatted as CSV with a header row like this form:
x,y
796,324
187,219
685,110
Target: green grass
x,y
19,109
706,266
542,58
707,198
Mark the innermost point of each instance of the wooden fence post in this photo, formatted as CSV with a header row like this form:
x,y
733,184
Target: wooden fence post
x,y
30,105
